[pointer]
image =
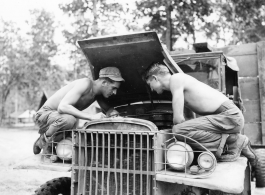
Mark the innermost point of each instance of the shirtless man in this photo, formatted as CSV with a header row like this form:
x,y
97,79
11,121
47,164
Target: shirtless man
x,y
61,110
221,121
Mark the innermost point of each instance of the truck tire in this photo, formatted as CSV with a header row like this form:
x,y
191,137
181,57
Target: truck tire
x,y
260,168
55,186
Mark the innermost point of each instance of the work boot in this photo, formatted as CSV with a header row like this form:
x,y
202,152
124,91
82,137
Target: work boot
x,y
250,154
39,143
235,143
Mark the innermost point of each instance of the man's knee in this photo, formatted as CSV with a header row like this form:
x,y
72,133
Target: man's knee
x,y
69,121
64,122
178,128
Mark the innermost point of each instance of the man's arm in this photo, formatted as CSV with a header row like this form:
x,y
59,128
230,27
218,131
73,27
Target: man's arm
x,y
177,90
66,105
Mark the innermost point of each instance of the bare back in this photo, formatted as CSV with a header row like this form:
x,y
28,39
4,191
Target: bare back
x,y
199,97
86,98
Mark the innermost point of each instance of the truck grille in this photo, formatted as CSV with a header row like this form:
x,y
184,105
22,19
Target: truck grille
x,y
112,162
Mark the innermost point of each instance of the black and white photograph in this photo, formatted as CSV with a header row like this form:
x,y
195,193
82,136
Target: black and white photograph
x,y
132,97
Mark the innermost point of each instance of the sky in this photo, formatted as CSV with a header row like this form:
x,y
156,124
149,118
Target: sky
x,y
18,10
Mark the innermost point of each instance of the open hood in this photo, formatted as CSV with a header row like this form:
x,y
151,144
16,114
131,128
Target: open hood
x,y
132,54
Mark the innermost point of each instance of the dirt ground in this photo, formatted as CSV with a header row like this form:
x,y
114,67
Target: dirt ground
x,y
16,146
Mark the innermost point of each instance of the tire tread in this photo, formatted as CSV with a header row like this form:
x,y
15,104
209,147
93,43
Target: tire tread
x,y
61,185
260,168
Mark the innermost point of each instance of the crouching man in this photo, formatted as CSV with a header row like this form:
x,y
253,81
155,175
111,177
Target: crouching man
x,y
61,110
220,123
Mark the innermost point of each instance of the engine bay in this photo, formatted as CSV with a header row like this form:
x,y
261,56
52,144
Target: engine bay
x,y
161,114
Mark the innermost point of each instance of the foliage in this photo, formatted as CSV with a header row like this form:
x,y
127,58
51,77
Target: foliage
x,y
92,19
244,19
187,16
11,61
41,73
25,61
230,21
42,49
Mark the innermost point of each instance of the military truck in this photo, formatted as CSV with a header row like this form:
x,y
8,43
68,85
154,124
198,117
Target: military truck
x,y
136,152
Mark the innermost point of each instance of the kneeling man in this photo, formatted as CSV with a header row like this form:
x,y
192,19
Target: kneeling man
x,y
220,123
61,110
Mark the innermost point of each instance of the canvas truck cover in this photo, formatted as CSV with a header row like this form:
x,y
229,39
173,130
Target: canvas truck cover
x,y
132,54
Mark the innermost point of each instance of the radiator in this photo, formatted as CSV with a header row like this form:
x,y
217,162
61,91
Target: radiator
x,y
113,163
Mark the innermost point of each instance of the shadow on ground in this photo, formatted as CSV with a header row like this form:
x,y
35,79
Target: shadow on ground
x,y
15,146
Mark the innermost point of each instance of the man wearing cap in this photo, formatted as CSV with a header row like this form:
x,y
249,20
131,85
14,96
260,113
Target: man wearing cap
x,y
61,110
220,123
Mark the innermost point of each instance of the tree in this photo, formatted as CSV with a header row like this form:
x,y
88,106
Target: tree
x,y
25,61
41,73
11,61
187,17
92,19
244,20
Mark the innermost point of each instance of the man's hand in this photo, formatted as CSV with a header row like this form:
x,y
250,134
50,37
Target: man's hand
x,y
177,121
98,116
174,121
112,113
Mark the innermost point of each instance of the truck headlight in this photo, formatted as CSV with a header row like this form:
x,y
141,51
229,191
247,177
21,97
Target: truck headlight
x,y
179,155
64,149
206,160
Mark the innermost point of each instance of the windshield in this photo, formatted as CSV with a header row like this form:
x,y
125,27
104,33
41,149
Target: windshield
x,y
206,69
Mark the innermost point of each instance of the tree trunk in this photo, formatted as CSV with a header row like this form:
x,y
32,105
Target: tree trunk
x,y
169,26
1,114
3,99
95,20
233,7
2,110
194,35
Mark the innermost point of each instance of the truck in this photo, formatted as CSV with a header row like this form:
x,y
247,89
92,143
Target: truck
x,y
136,152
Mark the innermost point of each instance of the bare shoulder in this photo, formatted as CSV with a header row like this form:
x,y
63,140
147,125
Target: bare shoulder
x,y
176,81
84,83
182,78
181,81
179,78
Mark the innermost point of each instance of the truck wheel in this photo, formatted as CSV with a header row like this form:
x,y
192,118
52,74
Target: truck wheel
x,y
260,168
55,186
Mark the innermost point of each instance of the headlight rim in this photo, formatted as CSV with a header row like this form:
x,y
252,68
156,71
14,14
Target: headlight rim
x,y
59,154
187,149
213,159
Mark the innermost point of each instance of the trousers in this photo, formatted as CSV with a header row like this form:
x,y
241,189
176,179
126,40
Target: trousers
x,y
50,121
208,130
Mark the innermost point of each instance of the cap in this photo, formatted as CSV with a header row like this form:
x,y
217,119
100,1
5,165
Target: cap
x,y
111,72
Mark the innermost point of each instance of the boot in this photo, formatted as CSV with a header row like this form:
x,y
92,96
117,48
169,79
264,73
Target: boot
x,y
250,154
235,143
39,144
